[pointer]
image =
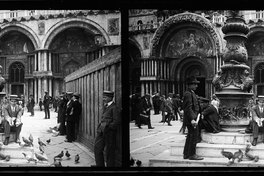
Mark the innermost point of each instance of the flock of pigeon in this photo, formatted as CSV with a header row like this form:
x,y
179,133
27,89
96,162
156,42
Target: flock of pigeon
x,y
239,155
35,157
132,162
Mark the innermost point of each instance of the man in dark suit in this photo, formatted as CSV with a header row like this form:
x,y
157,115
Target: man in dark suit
x,y
73,112
145,107
191,110
12,119
156,103
106,132
169,109
46,102
257,119
62,114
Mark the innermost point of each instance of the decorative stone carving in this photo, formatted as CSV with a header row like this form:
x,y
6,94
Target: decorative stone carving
x,y
41,27
2,80
183,18
189,41
113,26
233,84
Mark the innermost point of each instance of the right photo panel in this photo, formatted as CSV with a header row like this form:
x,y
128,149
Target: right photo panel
x,y
196,88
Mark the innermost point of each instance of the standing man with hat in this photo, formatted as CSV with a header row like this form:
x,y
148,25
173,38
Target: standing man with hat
x,y
106,132
12,119
46,102
61,114
191,110
73,112
145,107
257,119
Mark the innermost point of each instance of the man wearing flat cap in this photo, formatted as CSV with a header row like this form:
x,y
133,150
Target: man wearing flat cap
x,y
191,110
74,111
257,119
12,119
106,132
46,102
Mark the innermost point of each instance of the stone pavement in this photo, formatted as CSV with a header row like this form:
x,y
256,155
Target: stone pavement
x,y
39,128
146,144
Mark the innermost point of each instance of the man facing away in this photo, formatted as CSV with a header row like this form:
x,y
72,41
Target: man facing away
x,y
191,110
12,119
106,132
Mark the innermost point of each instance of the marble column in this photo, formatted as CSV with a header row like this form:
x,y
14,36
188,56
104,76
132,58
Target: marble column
x,y
39,88
35,90
50,87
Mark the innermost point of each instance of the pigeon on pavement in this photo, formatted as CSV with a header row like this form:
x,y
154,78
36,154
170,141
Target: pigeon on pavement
x,y
41,143
29,158
67,154
40,157
59,155
30,138
27,142
77,158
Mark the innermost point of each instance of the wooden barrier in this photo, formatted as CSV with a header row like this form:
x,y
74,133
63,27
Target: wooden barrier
x,y
90,81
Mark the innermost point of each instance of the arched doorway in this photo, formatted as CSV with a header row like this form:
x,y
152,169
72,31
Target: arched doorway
x,y
259,78
17,78
193,67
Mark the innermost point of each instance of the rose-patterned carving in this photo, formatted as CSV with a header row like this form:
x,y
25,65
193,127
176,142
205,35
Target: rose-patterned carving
x,y
180,18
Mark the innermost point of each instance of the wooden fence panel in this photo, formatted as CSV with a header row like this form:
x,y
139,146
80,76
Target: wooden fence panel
x,y
90,81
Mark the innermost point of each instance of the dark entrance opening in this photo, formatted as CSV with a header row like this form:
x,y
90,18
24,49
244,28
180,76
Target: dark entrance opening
x,y
17,78
200,91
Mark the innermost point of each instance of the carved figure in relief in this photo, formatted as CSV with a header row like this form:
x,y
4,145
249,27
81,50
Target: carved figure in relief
x,y
247,82
2,80
217,82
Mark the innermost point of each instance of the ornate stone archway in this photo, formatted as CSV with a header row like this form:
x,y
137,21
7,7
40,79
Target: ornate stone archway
x,y
24,30
180,19
81,23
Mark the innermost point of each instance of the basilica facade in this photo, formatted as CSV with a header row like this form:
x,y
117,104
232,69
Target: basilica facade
x,y
166,46
39,48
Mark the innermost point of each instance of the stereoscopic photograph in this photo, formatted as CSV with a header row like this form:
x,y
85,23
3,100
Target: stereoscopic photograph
x,y
60,88
196,88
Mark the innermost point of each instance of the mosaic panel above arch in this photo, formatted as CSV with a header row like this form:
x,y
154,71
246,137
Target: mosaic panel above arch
x,y
188,42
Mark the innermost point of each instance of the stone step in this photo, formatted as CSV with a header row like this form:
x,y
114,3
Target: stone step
x,y
214,150
15,150
23,163
166,160
11,139
228,137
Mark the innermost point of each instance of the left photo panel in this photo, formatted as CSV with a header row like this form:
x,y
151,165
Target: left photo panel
x,y
60,88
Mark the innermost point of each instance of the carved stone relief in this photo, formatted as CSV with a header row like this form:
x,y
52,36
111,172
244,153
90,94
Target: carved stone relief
x,y
113,26
189,41
183,18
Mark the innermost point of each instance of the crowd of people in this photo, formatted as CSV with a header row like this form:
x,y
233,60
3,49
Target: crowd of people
x,y
169,107
196,113
68,108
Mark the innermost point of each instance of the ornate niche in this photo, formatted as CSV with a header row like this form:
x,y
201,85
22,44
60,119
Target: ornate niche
x,y
190,42
255,44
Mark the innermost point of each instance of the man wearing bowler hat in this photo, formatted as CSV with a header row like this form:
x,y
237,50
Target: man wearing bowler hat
x,y
258,119
74,111
106,132
46,102
191,110
12,119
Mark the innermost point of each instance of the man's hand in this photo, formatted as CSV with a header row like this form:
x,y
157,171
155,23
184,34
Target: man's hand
x,y
193,122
